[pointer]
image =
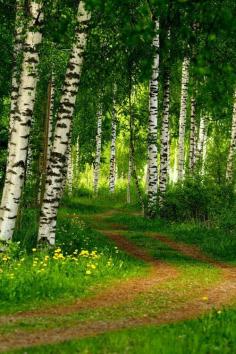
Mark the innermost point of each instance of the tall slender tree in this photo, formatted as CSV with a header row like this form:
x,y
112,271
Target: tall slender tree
x,y
152,128
193,136
98,152
232,148
19,138
112,177
165,139
201,139
48,135
52,195
182,117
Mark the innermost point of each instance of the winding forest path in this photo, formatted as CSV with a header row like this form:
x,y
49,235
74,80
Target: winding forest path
x,y
223,292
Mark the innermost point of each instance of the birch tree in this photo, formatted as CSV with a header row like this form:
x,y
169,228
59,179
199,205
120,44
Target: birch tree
x,y
19,138
70,169
232,148
165,150
17,49
112,177
98,152
201,139
182,117
152,128
48,135
129,178
52,195
193,131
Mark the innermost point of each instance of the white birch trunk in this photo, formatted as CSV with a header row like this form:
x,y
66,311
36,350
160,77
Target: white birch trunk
x,y
165,150
112,177
193,129
98,153
204,150
201,138
182,118
129,179
22,122
48,131
152,129
232,149
55,176
17,49
77,159
50,121
70,170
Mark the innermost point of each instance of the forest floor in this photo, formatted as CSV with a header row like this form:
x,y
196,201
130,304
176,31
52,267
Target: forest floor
x,y
181,283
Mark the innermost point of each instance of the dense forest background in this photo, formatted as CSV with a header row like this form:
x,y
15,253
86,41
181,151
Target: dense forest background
x,y
114,87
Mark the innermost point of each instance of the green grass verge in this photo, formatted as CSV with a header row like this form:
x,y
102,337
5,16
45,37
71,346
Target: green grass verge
x,y
28,281
214,333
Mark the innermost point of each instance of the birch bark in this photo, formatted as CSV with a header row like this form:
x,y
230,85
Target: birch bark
x,y
129,178
70,170
232,149
193,129
201,138
19,139
112,177
152,129
164,157
48,134
55,173
98,153
182,118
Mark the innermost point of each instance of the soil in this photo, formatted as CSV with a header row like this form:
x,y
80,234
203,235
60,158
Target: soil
x,y
218,295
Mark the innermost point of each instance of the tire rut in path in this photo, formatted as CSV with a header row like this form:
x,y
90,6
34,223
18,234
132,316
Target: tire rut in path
x,y
121,292
221,294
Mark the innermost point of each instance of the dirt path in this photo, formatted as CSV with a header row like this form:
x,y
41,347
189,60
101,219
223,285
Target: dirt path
x,y
122,292
220,294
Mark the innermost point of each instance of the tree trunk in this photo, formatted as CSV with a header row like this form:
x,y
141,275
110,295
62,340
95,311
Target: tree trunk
x,y
55,173
70,170
201,139
77,160
152,129
132,152
112,178
48,134
98,153
21,127
164,158
182,118
232,149
17,49
129,178
204,150
193,129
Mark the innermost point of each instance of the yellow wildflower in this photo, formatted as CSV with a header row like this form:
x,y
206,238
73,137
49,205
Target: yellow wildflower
x,y
88,272
34,249
205,298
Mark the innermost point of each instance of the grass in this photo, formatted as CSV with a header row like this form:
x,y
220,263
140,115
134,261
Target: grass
x,y
213,241
30,280
85,261
194,277
214,333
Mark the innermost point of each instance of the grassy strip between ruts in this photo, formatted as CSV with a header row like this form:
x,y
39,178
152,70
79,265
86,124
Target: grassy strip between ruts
x,y
213,333
213,241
